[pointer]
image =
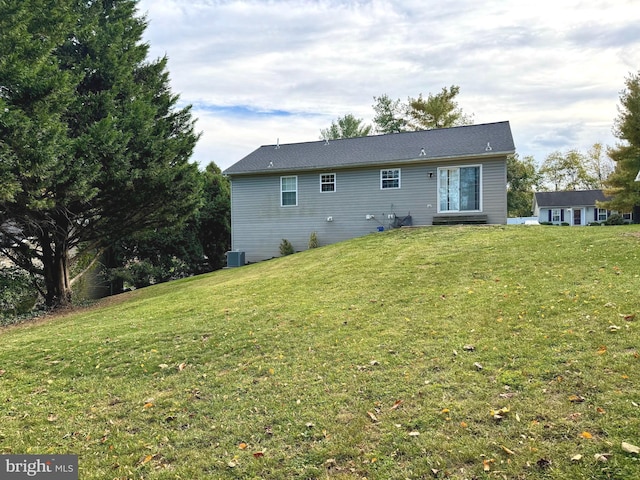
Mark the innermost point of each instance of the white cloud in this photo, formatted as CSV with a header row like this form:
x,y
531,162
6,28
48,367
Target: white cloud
x,y
257,71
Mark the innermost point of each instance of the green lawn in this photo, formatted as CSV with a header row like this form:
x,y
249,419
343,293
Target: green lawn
x,y
443,352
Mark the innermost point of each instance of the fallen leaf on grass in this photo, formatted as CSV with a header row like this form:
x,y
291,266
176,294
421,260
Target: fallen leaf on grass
x,y
602,457
576,399
242,446
182,366
52,417
478,366
576,458
2,372
586,435
500,414
414,434
602,350
613,328
627,447
396,404
628,318
372,416
507,450
486,464
258,454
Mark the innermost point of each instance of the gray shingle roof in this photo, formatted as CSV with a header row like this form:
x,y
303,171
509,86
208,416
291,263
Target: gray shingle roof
x,y
577,198
489,139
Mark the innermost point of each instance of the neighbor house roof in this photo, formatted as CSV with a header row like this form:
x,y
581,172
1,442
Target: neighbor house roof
x,y
471,141
576,198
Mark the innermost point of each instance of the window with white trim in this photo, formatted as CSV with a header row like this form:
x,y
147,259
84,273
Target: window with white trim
x,y
390,178
289,191
459,189
556,215
602,214
327,182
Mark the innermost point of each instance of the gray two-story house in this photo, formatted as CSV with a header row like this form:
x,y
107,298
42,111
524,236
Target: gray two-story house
x,y
346,188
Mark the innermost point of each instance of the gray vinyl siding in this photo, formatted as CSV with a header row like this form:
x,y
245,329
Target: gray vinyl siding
x,y
259,223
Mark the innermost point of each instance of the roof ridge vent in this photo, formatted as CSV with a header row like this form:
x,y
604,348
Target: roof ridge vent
x,y
488,149
326,141
423,153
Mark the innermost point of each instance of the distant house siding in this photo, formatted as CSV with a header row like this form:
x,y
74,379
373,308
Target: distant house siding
x,y
259,223
566,214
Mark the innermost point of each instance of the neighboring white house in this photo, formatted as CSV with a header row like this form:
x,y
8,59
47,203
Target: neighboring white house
x,y
346,188
577,207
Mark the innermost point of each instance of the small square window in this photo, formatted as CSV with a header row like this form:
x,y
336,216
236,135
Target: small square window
x,y
328,182
390,178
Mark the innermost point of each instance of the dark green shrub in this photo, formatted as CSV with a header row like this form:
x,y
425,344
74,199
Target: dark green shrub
x,y
615,219
286,248
18,295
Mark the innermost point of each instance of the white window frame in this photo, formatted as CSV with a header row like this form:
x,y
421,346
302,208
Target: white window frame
x,y
451,168
385,178
324,181
283,191
556,215
602,215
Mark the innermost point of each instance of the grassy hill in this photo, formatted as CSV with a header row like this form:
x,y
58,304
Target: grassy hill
x,y
450,352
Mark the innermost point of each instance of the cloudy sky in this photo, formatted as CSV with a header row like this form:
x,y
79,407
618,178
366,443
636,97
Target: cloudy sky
x,y
259,71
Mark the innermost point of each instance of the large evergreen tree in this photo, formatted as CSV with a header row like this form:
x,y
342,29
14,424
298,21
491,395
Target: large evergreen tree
x,y
622,184
94,148
390,115
214,217
197,246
